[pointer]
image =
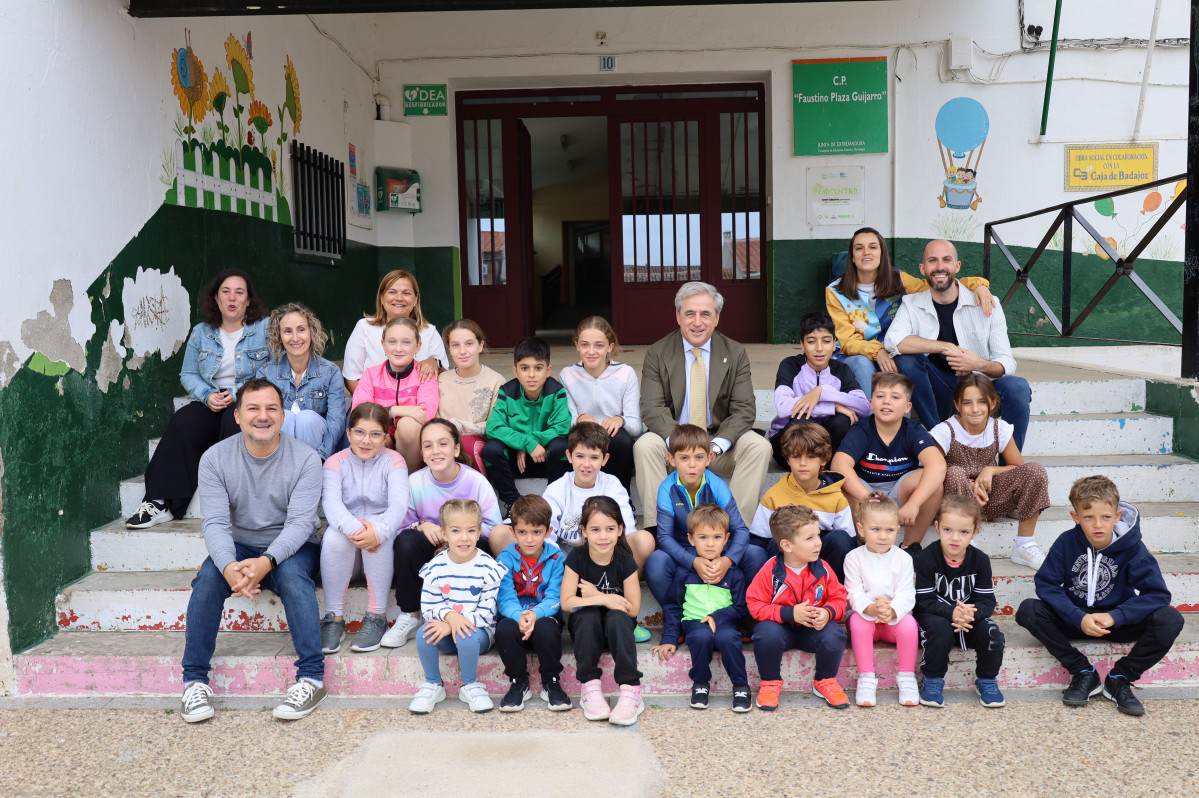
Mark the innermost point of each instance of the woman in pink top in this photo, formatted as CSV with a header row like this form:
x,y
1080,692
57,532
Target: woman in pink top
x,y
395,384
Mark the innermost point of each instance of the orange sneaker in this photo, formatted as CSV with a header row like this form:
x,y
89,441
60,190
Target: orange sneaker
x,y
831,692
768,694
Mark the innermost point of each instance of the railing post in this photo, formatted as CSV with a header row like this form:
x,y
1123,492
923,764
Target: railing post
x,y
1190,273
1067,266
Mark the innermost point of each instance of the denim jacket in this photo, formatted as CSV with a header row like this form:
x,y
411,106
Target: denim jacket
x,y
321,391
204,353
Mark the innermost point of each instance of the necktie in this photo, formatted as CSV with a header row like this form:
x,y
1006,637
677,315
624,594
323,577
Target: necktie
x,y
697,392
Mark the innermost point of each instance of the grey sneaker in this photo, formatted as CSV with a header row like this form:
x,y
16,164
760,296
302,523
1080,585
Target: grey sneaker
x,y
197,703
368,637
302,697
332,633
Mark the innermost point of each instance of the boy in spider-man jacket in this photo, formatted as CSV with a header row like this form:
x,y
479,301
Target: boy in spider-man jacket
x,y
529,606
797,603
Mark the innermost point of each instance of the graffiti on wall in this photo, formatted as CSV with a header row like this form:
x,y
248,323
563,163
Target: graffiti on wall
x,y
157,312
225,156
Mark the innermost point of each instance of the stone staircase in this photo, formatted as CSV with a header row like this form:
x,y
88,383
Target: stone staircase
x,y
121,626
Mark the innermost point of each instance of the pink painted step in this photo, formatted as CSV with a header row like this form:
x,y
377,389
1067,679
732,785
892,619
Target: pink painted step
x,y
115,663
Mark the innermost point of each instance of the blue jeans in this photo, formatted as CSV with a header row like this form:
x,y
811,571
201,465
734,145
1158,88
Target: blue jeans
x,y
932,395
291,582
660,569
468,651
863,371
307,427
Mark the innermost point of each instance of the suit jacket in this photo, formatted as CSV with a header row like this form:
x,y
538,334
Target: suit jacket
x,y
730,387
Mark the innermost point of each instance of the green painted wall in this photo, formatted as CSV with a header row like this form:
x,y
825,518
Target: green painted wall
x,y
67,445
800,270
1180,403
435,269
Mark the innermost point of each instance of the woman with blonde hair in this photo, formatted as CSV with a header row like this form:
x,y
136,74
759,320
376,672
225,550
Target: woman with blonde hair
x,y
398,296
314,401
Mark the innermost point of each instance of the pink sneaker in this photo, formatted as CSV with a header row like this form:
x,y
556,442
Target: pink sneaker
x,y
592,701
628,707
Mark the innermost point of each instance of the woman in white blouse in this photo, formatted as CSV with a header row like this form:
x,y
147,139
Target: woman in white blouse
x,y
398,295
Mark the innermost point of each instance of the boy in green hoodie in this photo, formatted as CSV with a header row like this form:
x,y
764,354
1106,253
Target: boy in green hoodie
x,y
528,426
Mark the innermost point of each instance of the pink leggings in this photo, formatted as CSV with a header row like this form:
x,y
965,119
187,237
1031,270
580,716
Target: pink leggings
x,y
472,447
863,633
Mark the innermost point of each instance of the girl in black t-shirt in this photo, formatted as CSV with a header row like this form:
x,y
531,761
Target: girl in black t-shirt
x,y
601,592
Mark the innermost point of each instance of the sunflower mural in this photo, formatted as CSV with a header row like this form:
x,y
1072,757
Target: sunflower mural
x,y
190,84
237,168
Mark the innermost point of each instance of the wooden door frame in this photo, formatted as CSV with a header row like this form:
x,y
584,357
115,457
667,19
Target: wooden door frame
x,y
607,102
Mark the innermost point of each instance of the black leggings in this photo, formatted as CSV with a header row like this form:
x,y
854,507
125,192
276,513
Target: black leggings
x,y
173,472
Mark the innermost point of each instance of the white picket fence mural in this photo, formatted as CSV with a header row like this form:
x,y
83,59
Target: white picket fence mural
x,y
253,195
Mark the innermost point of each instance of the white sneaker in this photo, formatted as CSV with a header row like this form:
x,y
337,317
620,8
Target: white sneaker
x,y
197,703
866,694
1028,554
427,696
474,695
909,690
404,627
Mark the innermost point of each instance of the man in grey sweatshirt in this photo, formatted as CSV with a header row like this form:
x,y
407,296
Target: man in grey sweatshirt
x,y
259,493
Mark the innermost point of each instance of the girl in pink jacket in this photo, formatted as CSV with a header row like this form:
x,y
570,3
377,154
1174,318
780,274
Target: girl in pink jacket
x,y
396,385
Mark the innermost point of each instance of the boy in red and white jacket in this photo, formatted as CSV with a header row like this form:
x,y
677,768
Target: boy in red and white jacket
x,y
797,601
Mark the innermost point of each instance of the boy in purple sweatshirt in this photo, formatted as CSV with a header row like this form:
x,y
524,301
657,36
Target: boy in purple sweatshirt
x,y
812,388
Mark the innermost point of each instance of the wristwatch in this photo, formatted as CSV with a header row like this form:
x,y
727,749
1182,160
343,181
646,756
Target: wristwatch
x,y
271,559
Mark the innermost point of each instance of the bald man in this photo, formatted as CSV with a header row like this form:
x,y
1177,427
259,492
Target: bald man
x,y
942,334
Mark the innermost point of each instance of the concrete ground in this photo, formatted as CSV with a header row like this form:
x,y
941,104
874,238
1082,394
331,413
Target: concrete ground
x,y
1032,747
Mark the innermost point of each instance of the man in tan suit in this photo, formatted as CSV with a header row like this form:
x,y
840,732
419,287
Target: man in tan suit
x,y
672,376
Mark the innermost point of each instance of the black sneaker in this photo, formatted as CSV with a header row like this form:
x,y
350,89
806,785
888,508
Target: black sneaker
x,y
148,514
1082,687
699,695
554,696
517,695
913,549
741,701
1119,689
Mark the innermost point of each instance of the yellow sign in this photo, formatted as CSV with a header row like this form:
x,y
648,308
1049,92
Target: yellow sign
x,y
1107,167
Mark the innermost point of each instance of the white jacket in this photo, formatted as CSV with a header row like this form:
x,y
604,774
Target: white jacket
x,y
869,575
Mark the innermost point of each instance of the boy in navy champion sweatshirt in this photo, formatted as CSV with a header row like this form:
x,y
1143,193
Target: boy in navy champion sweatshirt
x,y
1100,581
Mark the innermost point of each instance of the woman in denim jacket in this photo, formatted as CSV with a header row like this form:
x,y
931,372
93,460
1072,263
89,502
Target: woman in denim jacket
x,y
224,350
314,399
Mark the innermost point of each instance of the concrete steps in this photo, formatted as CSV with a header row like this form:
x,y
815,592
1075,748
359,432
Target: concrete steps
x,y
157,600
121,626
1167,527
260,663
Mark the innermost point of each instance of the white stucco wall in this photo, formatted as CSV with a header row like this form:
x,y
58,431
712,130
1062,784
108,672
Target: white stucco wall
x,y
88,108
1094,94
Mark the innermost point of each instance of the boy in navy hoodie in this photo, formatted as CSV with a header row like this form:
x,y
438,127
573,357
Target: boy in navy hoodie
x,y
530,612
707,613
1100,581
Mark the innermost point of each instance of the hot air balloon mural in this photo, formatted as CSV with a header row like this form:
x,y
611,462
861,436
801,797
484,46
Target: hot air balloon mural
x,y
962,125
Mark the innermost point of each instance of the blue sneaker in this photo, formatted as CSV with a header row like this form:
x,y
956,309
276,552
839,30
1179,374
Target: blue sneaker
x,y
641,634
932,692
988,693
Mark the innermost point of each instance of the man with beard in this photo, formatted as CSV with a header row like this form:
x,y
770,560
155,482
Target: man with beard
x,y
942,334
259,493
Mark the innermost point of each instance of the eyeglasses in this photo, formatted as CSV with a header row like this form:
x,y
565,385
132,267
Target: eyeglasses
x,y
361,434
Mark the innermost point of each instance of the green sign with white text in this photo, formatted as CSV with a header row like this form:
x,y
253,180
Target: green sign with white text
x,y
425,100
840,105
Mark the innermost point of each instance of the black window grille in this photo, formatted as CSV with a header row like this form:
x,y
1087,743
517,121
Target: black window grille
x,y
319,187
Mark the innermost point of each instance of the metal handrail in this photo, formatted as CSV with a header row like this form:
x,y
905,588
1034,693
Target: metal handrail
x,y
1066,214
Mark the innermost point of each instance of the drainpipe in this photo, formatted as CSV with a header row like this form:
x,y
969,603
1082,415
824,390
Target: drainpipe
x,y
1157,11
1057,19
1190,272
384,106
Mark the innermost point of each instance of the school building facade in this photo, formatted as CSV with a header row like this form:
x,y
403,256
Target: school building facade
x,y
546,163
